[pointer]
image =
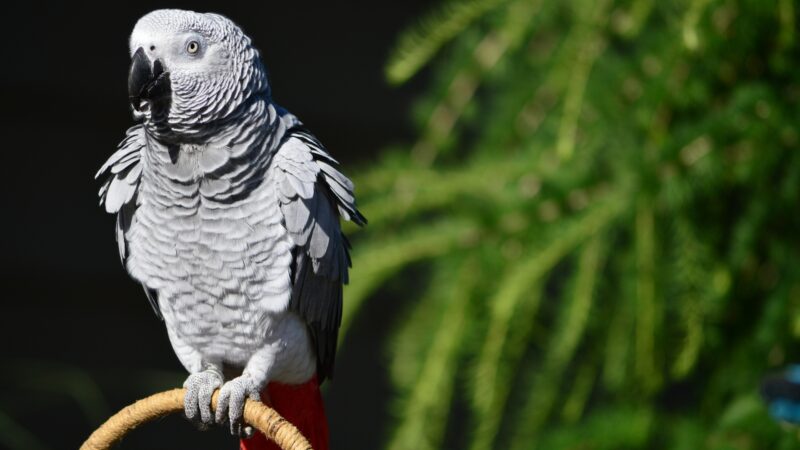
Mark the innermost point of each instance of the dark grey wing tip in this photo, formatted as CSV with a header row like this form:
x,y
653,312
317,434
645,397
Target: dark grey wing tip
x,y
359,219
152,297
325,343
318,300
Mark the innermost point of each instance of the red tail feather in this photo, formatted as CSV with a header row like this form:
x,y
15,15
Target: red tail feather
x,y
300,404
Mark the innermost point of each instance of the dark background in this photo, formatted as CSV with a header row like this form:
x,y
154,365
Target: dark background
x,y
79,339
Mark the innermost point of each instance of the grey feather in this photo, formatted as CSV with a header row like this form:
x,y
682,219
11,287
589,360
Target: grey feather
x,y
313,195
123,170
152,297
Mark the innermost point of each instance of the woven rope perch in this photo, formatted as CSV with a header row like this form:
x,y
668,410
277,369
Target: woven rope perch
x,y
257,414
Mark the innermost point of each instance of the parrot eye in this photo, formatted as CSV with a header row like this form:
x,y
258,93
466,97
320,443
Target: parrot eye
x,y
192,47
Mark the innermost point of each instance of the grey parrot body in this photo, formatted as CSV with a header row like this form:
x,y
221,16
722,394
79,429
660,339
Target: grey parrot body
x,y
228,213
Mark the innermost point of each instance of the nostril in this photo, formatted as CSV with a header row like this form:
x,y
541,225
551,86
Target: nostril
x,y
152,47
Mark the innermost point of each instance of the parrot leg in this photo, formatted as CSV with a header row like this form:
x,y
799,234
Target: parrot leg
x,y
230,407
234,393
205,377
199,388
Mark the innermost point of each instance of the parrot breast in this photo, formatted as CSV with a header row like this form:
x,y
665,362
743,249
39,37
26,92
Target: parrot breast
x,y
214,249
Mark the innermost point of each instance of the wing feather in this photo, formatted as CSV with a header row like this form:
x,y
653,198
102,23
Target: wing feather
x,y
313,196
122,172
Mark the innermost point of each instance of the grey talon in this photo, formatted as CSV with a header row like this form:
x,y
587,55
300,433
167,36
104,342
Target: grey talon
x,y
232,398
200,387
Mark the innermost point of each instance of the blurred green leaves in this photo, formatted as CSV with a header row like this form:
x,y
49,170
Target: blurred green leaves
x,y
622,179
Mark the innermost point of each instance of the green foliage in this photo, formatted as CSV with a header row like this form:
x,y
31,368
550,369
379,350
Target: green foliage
x,y
604,199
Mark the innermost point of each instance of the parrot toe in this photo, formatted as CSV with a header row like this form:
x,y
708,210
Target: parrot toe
x,y
197,401
230,407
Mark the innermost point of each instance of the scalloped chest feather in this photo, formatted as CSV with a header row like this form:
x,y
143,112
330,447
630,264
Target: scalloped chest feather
x,y
215,250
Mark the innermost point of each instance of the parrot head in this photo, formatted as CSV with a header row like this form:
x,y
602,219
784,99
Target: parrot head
x,y
190,69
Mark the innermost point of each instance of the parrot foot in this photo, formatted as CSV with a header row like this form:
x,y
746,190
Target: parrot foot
x,y
230,407
199,388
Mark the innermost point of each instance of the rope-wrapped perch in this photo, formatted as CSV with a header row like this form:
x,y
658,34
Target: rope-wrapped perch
x,y
257,414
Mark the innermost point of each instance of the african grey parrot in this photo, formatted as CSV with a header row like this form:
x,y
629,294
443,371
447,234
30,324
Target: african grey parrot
x,y
228,215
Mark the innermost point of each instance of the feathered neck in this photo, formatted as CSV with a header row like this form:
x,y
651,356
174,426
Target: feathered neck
x,y
238,148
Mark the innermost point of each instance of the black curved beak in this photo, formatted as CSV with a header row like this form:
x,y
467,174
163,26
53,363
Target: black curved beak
x,y
146,81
